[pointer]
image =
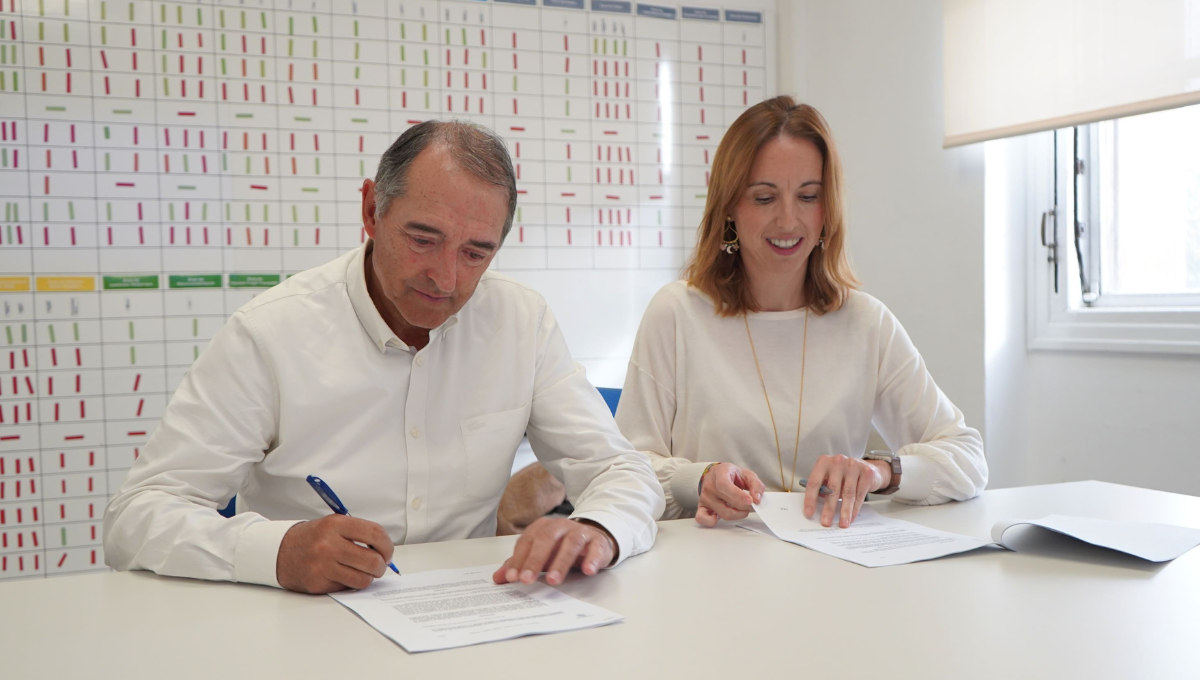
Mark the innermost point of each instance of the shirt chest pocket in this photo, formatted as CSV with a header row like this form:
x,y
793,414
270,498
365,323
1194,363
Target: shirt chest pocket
x,y
490,441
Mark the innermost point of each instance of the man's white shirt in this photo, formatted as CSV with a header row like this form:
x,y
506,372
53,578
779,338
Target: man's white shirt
x,y
308,379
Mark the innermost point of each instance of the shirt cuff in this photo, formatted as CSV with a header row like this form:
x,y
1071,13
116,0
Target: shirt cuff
x,y
916,479
685,485
615,527
257,551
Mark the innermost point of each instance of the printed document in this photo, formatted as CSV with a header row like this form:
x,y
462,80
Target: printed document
x,y
433,610
1153,542
873,540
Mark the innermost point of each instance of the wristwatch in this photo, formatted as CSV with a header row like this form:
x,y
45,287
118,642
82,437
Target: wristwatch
x,y
895,462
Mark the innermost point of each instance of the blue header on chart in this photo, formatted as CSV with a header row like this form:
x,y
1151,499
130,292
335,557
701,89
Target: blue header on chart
x,y
655,11
743,17
617,6
702,13
518,2
564,4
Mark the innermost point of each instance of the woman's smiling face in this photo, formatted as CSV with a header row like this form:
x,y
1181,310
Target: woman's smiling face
x,y
780,213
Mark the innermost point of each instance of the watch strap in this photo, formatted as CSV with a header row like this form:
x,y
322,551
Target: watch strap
x,y
897,470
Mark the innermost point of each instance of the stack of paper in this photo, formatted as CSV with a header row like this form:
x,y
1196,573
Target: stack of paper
x,y
458,607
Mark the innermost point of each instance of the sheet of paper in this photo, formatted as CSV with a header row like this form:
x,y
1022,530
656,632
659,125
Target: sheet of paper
x,y
872,540
448,608
1153,542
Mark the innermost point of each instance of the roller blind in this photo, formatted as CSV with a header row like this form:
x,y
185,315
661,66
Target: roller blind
x,y
1013,67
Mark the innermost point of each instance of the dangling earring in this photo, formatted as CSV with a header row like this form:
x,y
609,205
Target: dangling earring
x,y
729,246
821,244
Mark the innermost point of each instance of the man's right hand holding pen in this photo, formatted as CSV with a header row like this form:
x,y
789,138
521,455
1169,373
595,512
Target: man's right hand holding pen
x,y
324,555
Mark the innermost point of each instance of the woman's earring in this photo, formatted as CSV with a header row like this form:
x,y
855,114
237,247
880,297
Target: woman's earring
x,y
821,244
729,246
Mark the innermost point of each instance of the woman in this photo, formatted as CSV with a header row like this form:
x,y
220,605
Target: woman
x,y
766,365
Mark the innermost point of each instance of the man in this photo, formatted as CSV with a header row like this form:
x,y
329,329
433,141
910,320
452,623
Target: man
x,y
404,375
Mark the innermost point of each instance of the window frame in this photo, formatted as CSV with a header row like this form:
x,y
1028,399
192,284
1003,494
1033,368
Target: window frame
x,y
1058,317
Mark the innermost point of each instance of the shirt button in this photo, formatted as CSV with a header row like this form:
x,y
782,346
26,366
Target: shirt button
x,y
416,504
415,432
421,361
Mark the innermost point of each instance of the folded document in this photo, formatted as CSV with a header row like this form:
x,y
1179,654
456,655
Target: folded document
x,y
874,540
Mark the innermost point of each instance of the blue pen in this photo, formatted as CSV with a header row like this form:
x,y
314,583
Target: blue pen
x,y
334,503
823,491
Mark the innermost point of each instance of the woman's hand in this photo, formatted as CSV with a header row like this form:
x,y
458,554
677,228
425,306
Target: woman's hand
x,y
850,479
726,492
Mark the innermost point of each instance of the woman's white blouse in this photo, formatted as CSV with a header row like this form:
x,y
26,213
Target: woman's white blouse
x,y
692,396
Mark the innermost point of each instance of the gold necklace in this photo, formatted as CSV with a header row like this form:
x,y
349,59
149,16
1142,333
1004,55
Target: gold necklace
x,y
799,415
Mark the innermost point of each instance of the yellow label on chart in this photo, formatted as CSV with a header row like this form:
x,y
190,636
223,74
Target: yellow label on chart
x,y
14,284
65,284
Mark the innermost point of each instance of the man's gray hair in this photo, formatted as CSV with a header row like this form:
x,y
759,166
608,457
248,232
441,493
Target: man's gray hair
x,y
475,148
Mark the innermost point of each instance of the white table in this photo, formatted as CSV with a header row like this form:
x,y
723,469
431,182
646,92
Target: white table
x,y
704,603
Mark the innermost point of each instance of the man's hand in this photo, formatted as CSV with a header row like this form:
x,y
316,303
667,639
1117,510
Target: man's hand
x,y
556,545
727,492
850,479
530,494
321,556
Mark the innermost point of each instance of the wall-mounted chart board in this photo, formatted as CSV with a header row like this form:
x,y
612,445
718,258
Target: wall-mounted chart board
x,y
163,162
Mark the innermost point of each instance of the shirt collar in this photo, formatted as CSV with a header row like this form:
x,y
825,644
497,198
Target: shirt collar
x,y
368,315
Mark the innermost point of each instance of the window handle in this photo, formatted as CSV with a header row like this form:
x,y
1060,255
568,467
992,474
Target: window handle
x,y
1051,244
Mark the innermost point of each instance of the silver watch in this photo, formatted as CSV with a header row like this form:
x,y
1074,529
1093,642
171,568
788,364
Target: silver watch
x,y
892,459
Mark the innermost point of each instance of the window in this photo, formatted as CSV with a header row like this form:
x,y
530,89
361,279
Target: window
x,y
1117,262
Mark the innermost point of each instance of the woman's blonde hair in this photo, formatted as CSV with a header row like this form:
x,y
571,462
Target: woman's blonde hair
x,y
722,276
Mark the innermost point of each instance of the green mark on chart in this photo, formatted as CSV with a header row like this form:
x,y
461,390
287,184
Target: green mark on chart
x,y
567,105
309,190
109,205
25,333
71,209
221,19
179,14
104,35
107,133
171,211
263,16
427,98
164,40
56,108
519,215
195,352
199,17
204,212
51,329
166,87
356,47
426,80
195,328
567,86
295,214
290,45
46,211
291,25
224,71
64,535
359,120
194,280
243,115
362,168
123,112
295,237
303,119
185,162
75,328
247,165
402,57
402,36
357,69
568,131
131,11
424,35
485,59
426,63
247,212
131,330
262,68
227,207
447,36
314,24
223,48
356,28
66,33
701,195
514,83
624,48
225,162
314,49
568,173
316,213
41,32
103,11
132,355
266,213
41,8
660,218
464,36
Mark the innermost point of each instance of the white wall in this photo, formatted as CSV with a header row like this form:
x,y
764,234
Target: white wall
x,y
874,69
